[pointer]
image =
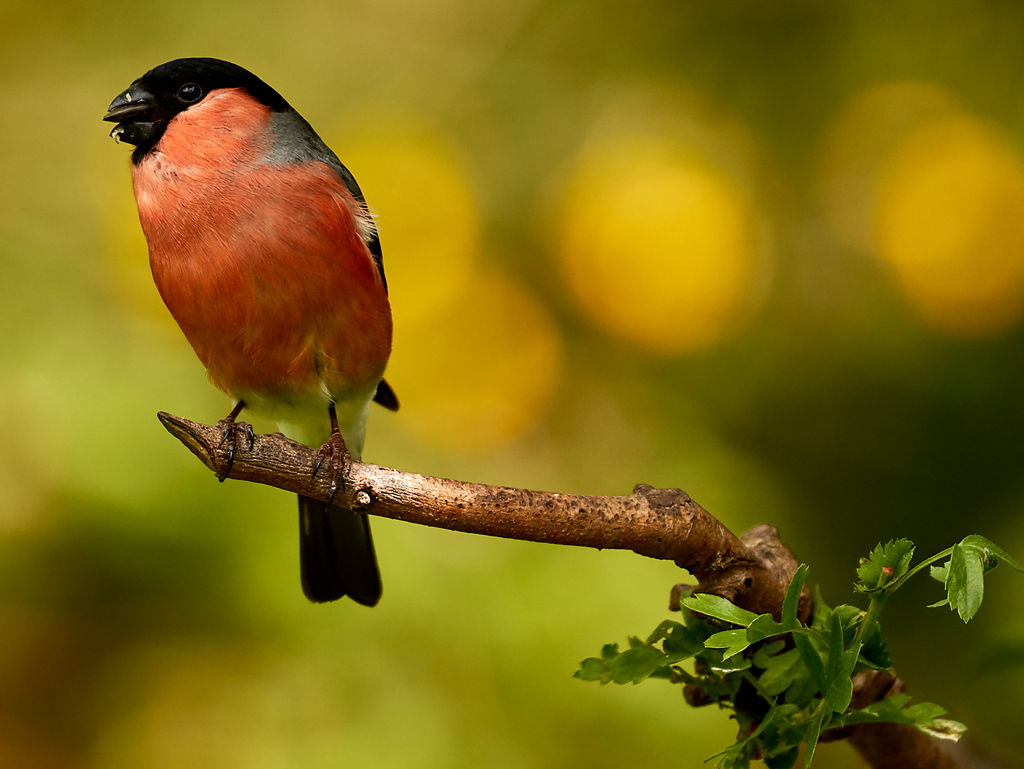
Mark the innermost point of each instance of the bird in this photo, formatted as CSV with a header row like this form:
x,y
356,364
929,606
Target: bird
x,y
267,255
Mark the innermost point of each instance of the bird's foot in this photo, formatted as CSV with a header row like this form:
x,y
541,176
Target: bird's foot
x,y
335,455
230,430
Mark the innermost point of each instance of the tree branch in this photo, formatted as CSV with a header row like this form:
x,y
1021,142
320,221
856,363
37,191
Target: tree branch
x,y
752,571
660,523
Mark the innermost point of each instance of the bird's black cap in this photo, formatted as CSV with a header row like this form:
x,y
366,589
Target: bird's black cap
x,y
143,111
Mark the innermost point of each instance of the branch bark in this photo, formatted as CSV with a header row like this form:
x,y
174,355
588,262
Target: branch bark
x,y
752,571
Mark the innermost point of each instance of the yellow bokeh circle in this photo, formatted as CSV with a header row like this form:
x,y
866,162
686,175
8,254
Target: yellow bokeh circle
x,y
657,245
479,374
857,143
950,223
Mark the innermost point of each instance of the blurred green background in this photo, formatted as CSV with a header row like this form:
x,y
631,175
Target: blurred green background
x,y
772,254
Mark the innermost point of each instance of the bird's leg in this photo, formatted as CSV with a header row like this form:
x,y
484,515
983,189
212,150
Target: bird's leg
x,y
334,452
229,430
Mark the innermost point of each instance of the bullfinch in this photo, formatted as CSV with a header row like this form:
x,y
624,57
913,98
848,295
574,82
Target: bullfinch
x,y
265,252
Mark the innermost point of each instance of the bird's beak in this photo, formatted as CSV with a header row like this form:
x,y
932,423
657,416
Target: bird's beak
x,y
134,112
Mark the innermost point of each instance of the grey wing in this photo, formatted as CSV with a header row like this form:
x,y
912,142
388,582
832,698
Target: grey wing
x,y
295,141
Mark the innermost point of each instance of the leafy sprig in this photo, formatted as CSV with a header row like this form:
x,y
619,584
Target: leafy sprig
x,y
786,681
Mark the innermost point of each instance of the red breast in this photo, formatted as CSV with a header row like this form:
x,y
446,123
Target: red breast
x,y
261,264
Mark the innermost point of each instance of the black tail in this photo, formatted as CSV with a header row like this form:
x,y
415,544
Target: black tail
x,y
336,554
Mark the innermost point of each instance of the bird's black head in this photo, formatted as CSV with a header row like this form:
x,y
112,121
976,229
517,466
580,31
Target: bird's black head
x,y
143,111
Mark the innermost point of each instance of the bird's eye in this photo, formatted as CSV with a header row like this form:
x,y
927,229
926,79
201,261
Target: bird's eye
x,y
190,92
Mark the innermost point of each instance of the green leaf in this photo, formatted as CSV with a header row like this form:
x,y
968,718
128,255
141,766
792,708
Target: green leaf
x,y
764,655
873,653
792,600
838,688
813,733
631,666
764,627
812,659
663,631
888,710
593,669
720,665
965,585
850,617
945,729
635,664
886,563
665,671
964,573
732,641
803,692
679,642
736,755
781,672
924,713
735,641
989,550
894,709
716,688
719,608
